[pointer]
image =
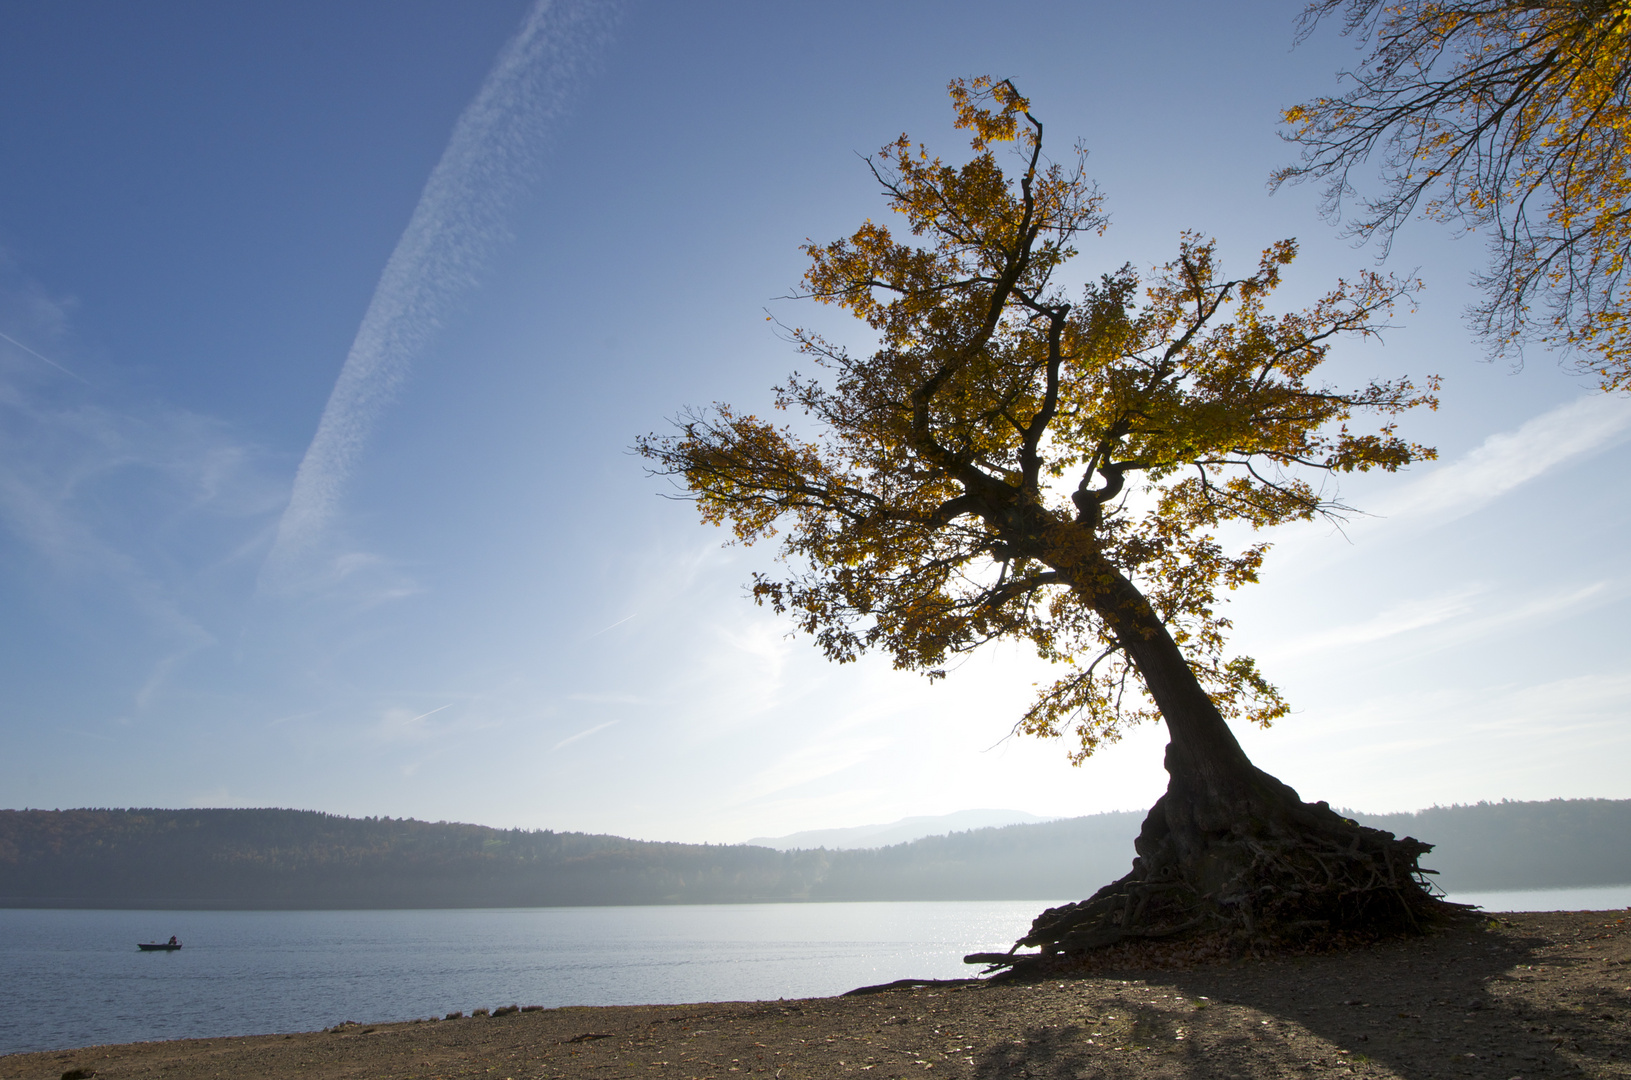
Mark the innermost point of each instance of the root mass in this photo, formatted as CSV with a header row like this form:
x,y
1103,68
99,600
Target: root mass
x,y
1249,862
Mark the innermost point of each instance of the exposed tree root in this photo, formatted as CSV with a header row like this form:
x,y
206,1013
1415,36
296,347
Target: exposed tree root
x,y
1262,870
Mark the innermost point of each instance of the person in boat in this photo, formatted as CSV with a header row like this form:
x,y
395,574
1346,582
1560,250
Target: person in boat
x,y
173,940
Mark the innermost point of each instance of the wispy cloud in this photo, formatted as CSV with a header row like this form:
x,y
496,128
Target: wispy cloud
x,y
88,734
609,699
1416,725
494,152
1452,490
1399,619
138,510
805,766
1532,612
1510,458
33,318
1455,617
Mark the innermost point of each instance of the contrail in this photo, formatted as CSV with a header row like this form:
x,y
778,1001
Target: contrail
x,y
570,739
433,712
494,152
39,356
614,626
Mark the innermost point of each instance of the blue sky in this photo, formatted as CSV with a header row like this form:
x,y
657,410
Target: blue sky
x,y
327,329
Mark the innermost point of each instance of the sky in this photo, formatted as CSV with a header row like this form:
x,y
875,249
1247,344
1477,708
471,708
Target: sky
x,y
325,331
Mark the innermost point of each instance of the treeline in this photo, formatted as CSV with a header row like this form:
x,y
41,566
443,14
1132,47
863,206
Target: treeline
x,y
1052,860
1521,845
304,859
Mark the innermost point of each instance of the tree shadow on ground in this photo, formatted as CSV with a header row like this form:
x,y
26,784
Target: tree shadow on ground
x,y
1462,1003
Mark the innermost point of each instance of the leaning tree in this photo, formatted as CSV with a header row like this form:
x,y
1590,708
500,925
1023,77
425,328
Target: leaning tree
x,y
1014,463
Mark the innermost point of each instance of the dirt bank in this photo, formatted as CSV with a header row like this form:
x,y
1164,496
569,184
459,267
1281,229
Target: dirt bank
x,y
1530,996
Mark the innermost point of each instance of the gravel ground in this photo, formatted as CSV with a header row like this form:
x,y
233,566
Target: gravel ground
x,y
1523,996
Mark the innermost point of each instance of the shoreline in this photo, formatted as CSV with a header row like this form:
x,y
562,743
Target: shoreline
x,y
1616,890
1521,995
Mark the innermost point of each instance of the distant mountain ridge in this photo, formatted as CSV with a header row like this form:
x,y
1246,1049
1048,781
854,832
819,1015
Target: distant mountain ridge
x,y
305,859
903,831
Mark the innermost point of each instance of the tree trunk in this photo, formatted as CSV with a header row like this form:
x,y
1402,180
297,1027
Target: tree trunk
x,y
1229,849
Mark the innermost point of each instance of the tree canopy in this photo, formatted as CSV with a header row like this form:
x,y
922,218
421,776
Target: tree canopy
x,y
1019,459
1510,116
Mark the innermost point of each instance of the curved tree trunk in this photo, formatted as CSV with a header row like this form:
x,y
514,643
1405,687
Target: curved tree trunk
x,y
1229,849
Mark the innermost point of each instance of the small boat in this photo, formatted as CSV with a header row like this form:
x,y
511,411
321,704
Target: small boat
x,y
159,946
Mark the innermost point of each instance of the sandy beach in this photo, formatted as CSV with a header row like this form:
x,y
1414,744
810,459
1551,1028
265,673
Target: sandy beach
x,y
1520,996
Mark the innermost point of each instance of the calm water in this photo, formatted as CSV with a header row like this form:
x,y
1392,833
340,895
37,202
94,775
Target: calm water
x,y
75,978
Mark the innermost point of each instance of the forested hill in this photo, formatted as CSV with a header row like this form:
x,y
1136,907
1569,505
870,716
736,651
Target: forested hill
x,y
1521,845
304,859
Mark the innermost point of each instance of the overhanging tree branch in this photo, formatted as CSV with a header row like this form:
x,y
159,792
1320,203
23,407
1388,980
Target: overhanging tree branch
x,y
1507,116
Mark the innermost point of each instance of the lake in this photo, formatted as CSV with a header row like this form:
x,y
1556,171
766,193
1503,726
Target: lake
x,y
75,978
